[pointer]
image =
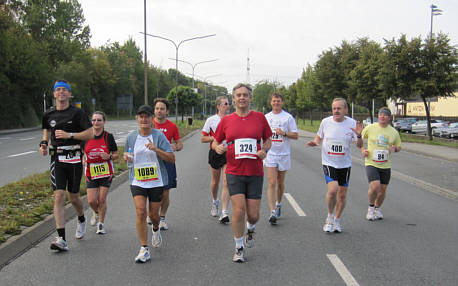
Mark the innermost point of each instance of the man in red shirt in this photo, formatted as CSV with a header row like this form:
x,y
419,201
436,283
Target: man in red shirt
x,y
243,131
170,130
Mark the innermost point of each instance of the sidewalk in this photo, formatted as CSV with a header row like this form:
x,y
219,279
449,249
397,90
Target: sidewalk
x,y
441,152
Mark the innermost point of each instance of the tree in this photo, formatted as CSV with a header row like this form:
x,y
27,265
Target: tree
x,y
261,95
187,98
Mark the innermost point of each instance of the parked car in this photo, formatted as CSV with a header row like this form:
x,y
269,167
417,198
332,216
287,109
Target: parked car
x,y
367,121
420,126
404,124
450,132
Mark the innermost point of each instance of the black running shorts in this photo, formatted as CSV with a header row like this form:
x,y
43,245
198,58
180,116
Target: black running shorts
x,y
153,194
216,160
378,174
250,186
66,176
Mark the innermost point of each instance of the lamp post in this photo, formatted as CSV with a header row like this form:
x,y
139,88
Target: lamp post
x,y
434,12
145,57
205,90
177,46
193,66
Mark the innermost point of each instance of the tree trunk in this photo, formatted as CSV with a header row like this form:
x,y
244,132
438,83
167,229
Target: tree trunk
x,y
428,119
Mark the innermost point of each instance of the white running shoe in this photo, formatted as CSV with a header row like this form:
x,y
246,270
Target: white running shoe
x,y
214,210
329,224
100,228
143,255
80,229
157,238
378,214
224,218
94,218
148,220
239,255
337,227
249,238
370,214
163,224
59,244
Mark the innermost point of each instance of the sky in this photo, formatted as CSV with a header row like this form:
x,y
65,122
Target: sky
x,y
279,37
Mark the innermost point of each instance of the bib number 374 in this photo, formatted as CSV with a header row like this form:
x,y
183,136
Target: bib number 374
x,y
245,148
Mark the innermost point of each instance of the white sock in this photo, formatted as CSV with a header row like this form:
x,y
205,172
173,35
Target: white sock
x,y
239,242
278,204
250,226
215,202
337,219
330,215
272,212
224,211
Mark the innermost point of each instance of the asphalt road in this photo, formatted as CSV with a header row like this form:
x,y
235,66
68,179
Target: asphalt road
x,y
414,245
20,156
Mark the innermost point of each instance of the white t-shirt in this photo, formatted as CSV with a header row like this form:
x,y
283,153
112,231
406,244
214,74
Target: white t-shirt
x,y
144,160
337,138
281,145
210,126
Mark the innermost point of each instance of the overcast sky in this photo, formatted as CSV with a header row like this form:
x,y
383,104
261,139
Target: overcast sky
x,y
280,37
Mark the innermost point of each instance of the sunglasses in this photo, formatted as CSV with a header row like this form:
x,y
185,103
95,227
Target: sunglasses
x,y
226,103
98,120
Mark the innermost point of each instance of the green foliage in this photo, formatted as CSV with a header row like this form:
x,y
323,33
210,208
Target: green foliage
x,y
187,98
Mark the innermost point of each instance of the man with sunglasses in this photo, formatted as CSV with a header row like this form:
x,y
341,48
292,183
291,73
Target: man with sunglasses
x,y
217,161
278,160
67,127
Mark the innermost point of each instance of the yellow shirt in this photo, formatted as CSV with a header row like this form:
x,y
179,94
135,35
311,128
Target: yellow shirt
x,y
379,140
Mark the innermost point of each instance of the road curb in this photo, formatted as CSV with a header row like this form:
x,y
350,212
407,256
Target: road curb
x,y
13,131
16,245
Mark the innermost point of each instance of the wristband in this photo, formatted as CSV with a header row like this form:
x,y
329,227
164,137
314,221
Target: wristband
x,y
43,142
111,157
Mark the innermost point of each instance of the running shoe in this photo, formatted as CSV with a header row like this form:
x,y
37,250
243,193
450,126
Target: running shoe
x,y
337,227
148,220
59,244
163,224
370,214
224,218
239,255
157,238
273,218
80,229
378,214
278,210
214,210
249,239
100,228
329,224
94,218
143,255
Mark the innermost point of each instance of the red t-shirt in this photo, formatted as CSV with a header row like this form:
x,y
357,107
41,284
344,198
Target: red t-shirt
x,y
233,127
104,143
169,129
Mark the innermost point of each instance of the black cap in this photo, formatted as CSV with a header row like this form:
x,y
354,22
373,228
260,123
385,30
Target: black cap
x,y
145,109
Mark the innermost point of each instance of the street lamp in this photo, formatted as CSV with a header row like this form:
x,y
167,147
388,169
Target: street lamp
x,y
205,90
193,66
434,12
176,62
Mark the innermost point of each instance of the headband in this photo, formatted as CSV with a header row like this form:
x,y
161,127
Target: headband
x,y
62,84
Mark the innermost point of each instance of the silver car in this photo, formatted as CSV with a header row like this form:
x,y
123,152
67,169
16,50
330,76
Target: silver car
x,y
450,132
420,126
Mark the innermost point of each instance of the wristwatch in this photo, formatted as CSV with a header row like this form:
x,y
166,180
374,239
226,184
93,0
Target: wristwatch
x,y
43,142
72,135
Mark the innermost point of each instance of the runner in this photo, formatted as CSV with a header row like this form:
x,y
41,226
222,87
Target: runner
x,y
217,162
278,160
148,150
244,171
382,140
170,130
99,155
337,133
67,126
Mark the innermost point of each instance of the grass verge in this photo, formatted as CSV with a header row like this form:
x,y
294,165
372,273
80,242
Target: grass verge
x,y
30,199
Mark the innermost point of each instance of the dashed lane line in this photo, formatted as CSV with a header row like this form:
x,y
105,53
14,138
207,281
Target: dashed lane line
x,y
294,204
25,139
342,270
21,154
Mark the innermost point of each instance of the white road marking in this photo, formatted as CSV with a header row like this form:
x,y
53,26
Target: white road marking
x,y
294,204
5,138
20,154
342,270
24,139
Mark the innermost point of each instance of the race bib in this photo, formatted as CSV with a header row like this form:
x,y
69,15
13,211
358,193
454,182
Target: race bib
x,y
380,156
99,170
276,137
336,148
245,148
70,157
146,173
